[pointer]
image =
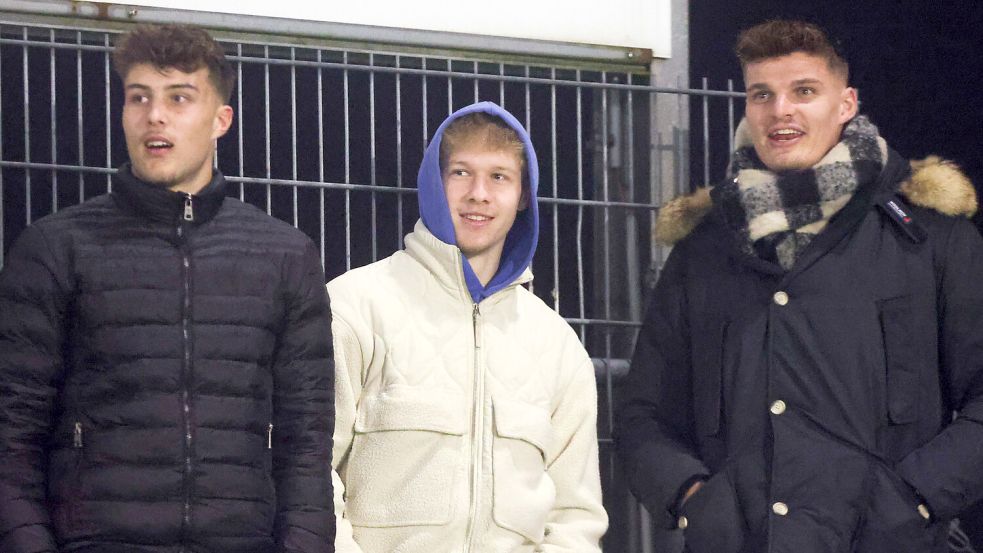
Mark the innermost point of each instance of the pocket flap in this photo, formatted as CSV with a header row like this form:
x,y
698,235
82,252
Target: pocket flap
x,y
523,421
428,410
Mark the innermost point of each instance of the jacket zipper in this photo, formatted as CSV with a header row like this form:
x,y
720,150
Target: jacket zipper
x,y
269,437
477,427
187,367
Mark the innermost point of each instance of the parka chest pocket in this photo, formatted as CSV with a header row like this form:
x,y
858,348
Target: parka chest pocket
x,y
405,457
524,493
708,358
901,357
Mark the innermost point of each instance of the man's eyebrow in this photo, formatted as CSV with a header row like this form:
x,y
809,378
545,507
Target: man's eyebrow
x,y
809,80
179,86
758,86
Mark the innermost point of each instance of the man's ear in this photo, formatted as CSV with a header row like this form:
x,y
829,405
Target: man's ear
x,y
222,122
848,104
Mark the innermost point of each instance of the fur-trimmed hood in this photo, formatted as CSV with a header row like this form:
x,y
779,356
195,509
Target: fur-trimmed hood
x,y
934,183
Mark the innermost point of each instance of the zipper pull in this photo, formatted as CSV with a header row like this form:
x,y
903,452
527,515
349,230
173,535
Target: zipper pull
x,y
77,436
474,319
269,437
189,214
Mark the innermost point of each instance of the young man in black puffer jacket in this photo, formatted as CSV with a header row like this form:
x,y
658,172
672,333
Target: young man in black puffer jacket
x,y
166,368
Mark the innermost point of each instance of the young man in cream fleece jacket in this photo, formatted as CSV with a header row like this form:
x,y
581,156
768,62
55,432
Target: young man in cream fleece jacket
x,y
466,408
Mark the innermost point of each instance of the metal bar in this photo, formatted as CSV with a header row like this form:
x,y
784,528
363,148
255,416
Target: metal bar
x,y
602,322
450,89
266,114
580,210
241,117
2,211
372,160
730,118
476,96
348,171
320,161
399,158
333,185
54,127
412,71
501,85
78,106
109,112
27,131
706,136
423,99
556,207
293,133
357,33
532,285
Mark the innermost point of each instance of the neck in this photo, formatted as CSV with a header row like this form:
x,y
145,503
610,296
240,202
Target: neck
x,y
484,265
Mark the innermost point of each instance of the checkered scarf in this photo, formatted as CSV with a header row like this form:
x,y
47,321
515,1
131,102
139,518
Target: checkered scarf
x,y
776,215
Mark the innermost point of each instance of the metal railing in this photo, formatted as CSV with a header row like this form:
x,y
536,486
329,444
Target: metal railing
x,y
330,140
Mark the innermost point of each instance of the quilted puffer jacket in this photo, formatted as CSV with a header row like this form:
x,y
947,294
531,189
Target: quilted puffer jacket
x,y
466,411
165,379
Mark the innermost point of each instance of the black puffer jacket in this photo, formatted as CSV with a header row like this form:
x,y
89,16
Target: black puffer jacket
x,y
166,385
817,401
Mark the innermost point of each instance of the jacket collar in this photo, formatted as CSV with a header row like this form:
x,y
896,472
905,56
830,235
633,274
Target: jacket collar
x,y
934,183
163,205
444,263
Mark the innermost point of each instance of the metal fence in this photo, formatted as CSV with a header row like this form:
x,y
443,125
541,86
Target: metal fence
x,y
330,138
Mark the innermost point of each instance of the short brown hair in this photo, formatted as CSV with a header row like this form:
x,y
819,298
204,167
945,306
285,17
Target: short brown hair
x,y
182,47
781,37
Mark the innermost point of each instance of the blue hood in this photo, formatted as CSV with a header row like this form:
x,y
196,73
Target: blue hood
x,y
520,244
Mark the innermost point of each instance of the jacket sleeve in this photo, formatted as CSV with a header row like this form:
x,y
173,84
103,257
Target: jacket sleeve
x,y
654,430
578,519
33,301
303,413
348,385
948,470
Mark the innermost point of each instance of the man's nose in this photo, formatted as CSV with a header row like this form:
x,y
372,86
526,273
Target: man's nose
x,y
479,188
783,107
156,114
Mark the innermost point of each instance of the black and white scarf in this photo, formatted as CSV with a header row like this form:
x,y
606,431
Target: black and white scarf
x,y
776,215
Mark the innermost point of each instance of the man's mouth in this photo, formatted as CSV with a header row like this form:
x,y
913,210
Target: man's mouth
x,y
783,135
476,217
158,145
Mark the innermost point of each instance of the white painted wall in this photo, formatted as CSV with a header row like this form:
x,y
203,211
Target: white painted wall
x,y
621,23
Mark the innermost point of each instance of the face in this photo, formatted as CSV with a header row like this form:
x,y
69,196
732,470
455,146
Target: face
x,y
171,120
484,193
796,108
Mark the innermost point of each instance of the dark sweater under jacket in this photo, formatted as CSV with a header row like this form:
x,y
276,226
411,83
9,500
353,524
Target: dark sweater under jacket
x,y
166,379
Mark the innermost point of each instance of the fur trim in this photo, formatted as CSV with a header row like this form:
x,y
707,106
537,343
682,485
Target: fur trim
x,y
680,216
940,185
934,183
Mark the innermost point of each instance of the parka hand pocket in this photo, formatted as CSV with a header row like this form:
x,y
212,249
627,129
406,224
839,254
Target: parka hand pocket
x,y
708,358
406,454
901,358
714,521
524,493
893,521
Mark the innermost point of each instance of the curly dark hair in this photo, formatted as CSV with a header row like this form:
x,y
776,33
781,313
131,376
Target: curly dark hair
x,y
781,37
182,47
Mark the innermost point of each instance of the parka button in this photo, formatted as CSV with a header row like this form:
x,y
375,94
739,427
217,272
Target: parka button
x,y
923,511
780,297
778,407
682,523
779,508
